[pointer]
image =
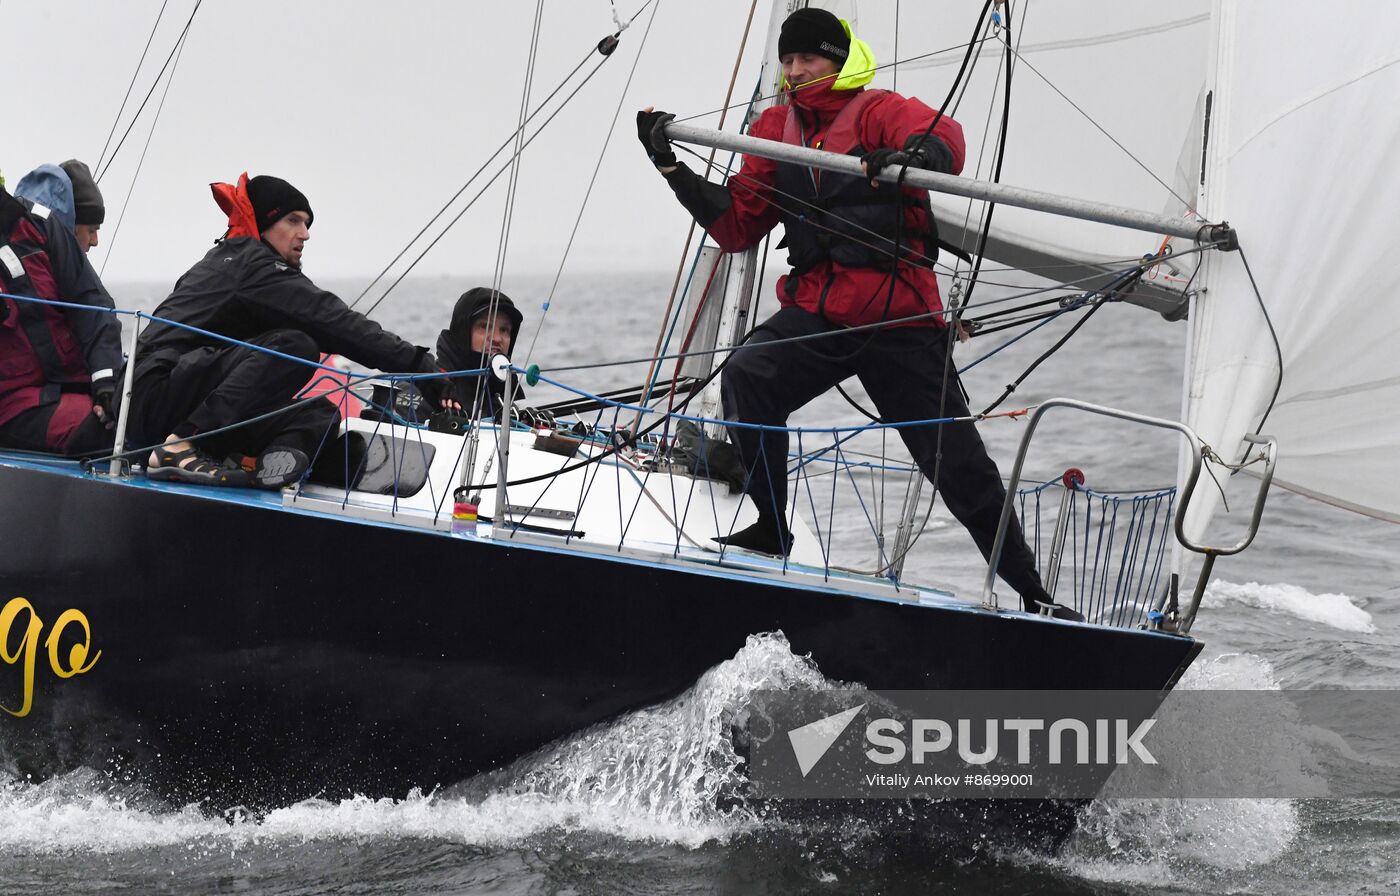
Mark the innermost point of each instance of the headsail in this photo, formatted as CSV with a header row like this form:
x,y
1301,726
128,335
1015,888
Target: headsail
x,y
1301,161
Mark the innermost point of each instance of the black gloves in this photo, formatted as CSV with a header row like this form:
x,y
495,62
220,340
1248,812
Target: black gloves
x,y
649,131
434,389
879,159
929,153
103,393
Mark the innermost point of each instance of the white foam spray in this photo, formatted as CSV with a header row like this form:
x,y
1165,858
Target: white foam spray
x,y
656,774
1185,842
1335,610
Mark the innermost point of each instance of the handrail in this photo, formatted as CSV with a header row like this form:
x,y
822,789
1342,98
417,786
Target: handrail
x,y
1183,624
989,598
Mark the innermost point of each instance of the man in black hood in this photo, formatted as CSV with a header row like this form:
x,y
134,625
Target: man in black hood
x,y
485,323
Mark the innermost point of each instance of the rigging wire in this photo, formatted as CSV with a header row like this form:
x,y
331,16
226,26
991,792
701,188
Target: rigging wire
x,y
894,68
1101,129
928,315
1091,41
1273,334
663,336
953,322
611,43
178,41
507,218
1014,384
155,120
877,68
462,189
131,84
484,188
621,98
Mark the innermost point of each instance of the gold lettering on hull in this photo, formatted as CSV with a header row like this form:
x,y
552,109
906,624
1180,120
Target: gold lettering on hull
x,y
19,646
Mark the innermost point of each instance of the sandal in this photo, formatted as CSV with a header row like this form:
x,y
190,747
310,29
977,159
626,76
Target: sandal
x,y
279,467
201,469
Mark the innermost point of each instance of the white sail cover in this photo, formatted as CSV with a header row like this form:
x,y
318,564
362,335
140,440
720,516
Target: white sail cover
x,y
1302,157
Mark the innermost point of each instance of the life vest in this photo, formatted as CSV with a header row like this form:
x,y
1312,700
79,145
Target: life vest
x,y
235,203
841,217
39,353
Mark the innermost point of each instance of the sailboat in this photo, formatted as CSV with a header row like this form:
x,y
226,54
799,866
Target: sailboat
x,y
239,673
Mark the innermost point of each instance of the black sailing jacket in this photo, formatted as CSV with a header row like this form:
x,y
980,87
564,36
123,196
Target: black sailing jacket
x,y
242,289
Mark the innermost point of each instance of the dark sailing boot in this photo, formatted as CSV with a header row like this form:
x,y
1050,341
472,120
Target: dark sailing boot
x,y
769,535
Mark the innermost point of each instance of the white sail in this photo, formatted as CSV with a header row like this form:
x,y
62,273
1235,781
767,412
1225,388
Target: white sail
x,y
1133,71
1302,148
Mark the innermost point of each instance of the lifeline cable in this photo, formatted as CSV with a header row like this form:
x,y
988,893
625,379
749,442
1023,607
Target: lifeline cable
x,y
351,379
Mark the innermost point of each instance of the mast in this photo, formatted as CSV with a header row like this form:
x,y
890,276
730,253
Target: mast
x,y
741,280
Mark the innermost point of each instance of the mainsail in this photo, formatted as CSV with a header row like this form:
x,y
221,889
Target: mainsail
x,y
1301,154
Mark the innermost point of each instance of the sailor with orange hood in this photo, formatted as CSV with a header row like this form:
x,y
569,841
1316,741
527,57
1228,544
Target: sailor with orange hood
x,y
862,254
250,287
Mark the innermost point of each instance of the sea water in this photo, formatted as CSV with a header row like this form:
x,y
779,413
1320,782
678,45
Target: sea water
x,y
634,805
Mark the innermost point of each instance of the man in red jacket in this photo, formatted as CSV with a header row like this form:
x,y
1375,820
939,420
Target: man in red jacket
x,y
861,254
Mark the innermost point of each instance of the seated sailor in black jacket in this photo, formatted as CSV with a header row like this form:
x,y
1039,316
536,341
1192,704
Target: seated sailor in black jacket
x,y
481,328
250,287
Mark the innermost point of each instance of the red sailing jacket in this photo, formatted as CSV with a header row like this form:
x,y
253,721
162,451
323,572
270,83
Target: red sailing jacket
x,y
844,294
45,350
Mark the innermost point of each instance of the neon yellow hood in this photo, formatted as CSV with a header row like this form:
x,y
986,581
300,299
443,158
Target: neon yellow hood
x,y
859,69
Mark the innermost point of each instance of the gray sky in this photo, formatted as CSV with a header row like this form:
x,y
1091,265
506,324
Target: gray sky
x,y
378,112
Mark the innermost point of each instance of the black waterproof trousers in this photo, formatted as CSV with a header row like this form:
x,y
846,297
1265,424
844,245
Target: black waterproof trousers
x,y
43,429
901,369
216,386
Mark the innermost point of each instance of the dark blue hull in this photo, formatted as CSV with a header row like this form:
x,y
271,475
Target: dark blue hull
x,y
255,655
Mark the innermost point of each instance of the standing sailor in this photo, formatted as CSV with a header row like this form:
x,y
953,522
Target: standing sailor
x,y
250,287
861,253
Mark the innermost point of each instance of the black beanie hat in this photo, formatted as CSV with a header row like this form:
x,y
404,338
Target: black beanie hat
x,y
273,199
87,198
814,31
